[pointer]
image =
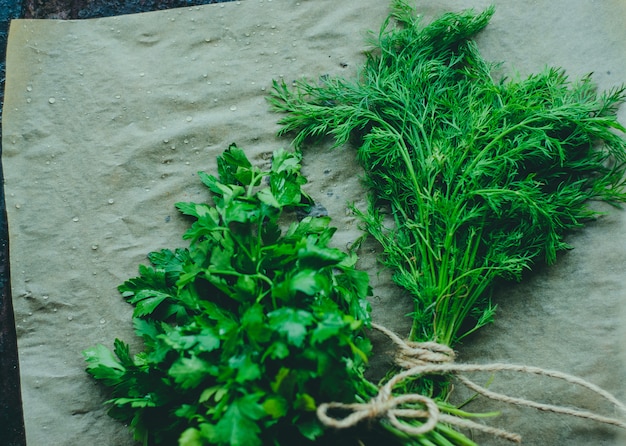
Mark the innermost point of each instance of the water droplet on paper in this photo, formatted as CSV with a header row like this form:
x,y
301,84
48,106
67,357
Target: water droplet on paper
x,y
52,100
69,318
233,108
45,297
75,219
94,247
189,119
102,321
29,88
111,201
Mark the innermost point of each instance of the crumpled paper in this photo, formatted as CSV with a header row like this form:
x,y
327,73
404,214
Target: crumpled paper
x,y
107,121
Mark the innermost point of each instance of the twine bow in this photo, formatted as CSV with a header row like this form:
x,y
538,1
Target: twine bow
x,y
430,358
384,405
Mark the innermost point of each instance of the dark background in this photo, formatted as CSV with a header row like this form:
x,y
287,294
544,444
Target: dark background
x,y
11,413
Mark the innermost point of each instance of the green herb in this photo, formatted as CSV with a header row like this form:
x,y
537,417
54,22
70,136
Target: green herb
x,y
248,329
472,180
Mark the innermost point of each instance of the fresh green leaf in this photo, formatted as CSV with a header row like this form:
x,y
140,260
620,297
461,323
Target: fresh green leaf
x,y
308,281
245,366
135,402
314,256
103,365
332,325
266,196
254,321
190,372
291,323
191,437
234,167
275,407
146,301
238,426
305,402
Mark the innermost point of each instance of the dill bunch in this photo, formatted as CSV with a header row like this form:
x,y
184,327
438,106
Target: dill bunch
x,y
472,179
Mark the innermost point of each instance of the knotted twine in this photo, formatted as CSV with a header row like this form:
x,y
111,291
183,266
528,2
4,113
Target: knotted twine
x,y
431,358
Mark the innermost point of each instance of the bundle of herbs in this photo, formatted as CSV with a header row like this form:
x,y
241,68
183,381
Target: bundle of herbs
x,y
247,329
474,180
471,179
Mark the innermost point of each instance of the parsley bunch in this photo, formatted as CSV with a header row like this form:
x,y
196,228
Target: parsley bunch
x,y
248,329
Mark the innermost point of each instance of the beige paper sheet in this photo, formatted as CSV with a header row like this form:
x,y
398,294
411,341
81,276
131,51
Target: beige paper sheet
x,y
106,122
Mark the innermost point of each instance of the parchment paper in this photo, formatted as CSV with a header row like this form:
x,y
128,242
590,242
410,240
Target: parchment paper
x,y
107,121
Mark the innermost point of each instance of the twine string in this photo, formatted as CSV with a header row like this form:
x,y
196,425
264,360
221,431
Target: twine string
x,y
428,358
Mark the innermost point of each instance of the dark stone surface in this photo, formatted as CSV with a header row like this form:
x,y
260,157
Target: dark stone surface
x,y
9,9
83,9
11,413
